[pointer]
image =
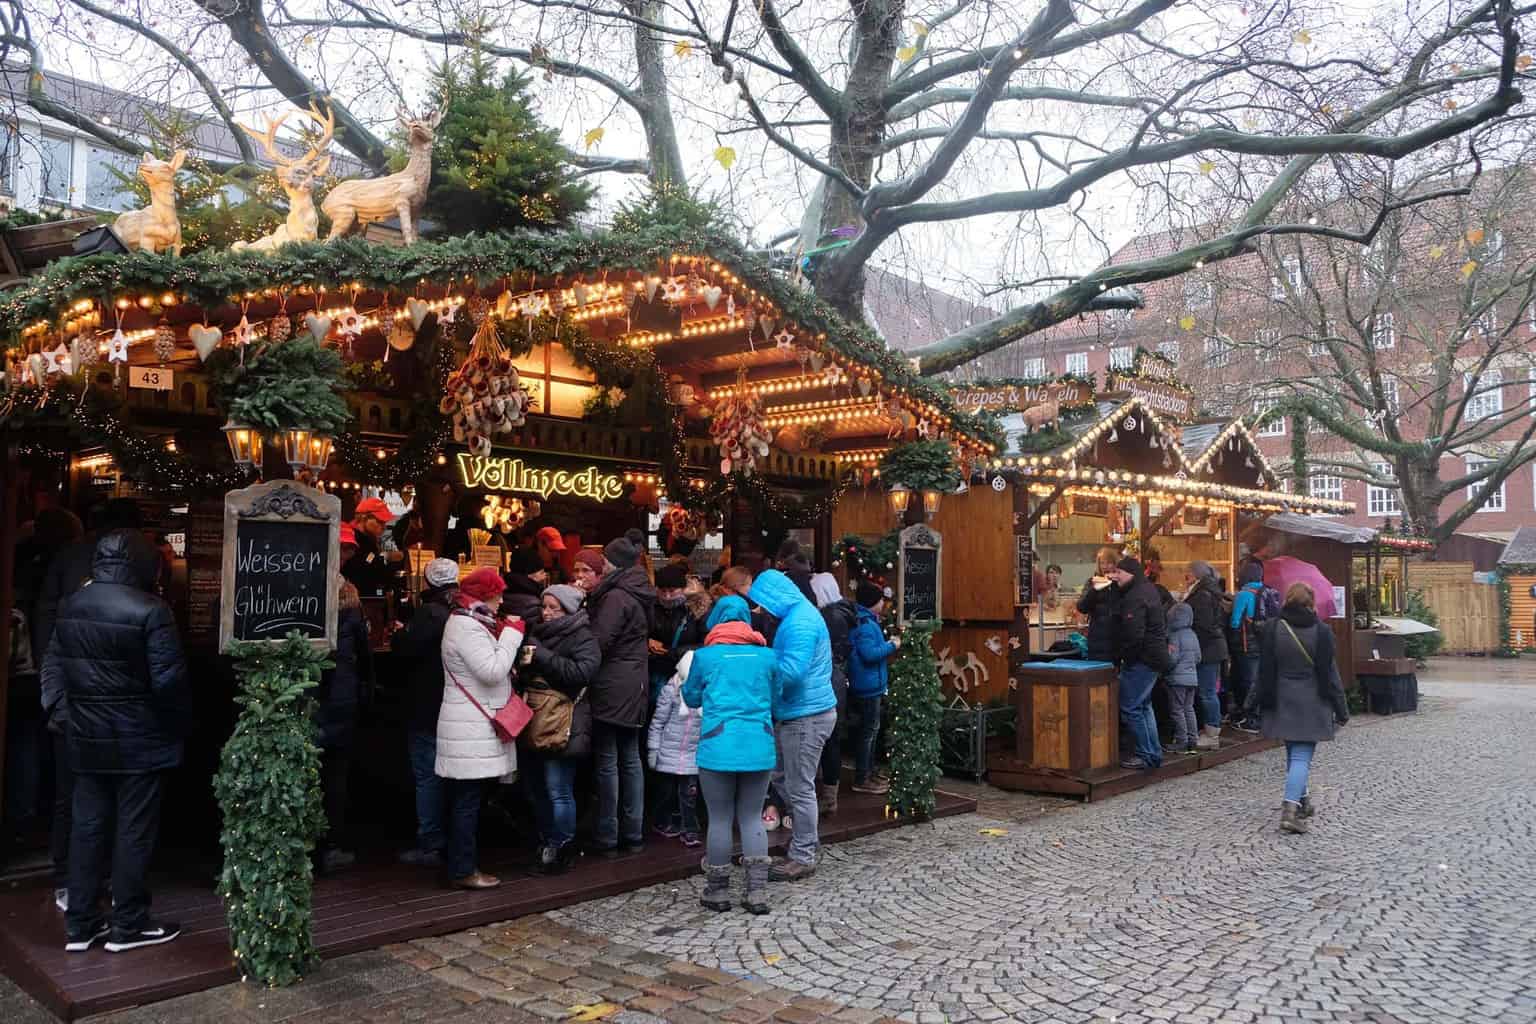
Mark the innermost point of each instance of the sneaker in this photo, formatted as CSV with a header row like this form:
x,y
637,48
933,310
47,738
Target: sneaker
x,y
691,840
1249,725
668,831
1174,748
771,818
1133,764
81,943
61,900
790,871
874,787
422,858
154,935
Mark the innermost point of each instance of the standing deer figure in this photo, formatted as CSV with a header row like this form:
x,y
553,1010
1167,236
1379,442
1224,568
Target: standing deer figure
x,y
155,228
365,200
297,178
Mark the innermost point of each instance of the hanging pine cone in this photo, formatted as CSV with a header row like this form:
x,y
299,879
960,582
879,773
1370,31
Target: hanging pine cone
x,y
83,353
280,329
478,308
165,342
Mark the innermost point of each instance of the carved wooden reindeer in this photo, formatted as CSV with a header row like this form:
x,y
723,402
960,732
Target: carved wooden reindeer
x,y
155,228
297,178
365,200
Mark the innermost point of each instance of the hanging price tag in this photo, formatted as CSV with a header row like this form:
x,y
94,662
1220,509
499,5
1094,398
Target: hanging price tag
x,y
150,378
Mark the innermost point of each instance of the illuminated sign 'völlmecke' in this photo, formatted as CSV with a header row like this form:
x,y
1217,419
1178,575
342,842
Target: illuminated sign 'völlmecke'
x,y
509,474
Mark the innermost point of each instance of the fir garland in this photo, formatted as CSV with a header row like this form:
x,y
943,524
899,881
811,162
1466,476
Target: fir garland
x,y
268,788
916,701
867,560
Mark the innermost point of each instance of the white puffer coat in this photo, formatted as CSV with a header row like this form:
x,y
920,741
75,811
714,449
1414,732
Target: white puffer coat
x,y
467,747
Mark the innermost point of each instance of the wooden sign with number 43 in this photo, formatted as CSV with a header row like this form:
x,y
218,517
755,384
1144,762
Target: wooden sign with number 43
x,y
150,378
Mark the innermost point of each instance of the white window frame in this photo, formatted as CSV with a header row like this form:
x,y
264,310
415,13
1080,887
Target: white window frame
x,y
1170,350
1495,502
1326,485
1486,403
1382,501
1392,392
43,165
1266,344
121,200
1295,272
1218,351
1493,249
1383,332
1199,293
1034,368
1077,363
1273,428
1122,357
1484,327
1118,319
10,149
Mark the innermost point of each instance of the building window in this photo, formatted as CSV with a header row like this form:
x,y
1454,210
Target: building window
x,y
1382,501
1383,332
1389,393
1169,350
1121,357
1484,326
57,168
1331,487
1077,363
1486,394
1495,500
105,190
1270,428
1493,251
1198,294
1218,352
1034,368
1266,344
8,150
1118,319
1318,347
1295,274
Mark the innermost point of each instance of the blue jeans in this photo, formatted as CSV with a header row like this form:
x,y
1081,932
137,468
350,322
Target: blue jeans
x,y
868,711
800,741
1246,682
1298,767
1209,678
619,772
429,791
1136,683
463,825
552,788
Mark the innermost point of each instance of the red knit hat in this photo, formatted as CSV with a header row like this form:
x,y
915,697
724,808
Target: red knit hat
x,y
484,584
591,559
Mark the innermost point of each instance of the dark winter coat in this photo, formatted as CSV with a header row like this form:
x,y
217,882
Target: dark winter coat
x,y
115,672
1204,599
1142,633
421,644
841,616
679,631
523,597
1301,698
621,607
66,573
1103,610
341,686
565,655
369,569
799,573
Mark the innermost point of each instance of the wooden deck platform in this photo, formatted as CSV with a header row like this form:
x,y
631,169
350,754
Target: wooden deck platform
x,y
1004,772
366,907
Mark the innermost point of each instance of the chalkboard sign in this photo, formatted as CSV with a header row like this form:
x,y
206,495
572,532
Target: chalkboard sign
x,y
281,564
919,580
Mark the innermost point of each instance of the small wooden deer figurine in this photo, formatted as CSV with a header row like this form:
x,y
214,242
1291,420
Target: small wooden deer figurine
x,y
155,228
297,178
362,201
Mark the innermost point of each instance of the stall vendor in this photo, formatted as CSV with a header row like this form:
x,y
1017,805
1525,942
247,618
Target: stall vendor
x,y
551,546
373,571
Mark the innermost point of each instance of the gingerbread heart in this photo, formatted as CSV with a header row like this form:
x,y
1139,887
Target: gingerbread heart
x,y
417,309
205,339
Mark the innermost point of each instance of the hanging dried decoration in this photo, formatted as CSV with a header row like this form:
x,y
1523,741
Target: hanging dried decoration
x,y
165,342
83,352
484,396
737,427
478,309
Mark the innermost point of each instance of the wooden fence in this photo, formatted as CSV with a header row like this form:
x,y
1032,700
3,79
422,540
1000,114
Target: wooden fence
x,y
1468,611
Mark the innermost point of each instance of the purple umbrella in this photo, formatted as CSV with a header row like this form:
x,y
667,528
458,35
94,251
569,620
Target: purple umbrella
x,y
1282,571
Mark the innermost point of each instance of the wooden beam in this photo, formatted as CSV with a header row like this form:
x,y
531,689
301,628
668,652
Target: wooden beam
x,y
1162,519
1028,522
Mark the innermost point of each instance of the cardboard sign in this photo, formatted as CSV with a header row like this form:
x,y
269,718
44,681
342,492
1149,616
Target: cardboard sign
x,y
486,554
150,378
919,576
282,564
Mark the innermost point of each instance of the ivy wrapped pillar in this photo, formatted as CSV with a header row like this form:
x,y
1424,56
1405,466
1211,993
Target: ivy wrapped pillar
x,y
916,702
268,788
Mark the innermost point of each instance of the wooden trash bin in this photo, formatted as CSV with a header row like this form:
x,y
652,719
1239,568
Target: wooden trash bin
x,y
1068,715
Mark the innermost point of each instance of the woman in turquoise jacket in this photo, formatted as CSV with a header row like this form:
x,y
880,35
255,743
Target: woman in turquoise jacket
x,y
734,680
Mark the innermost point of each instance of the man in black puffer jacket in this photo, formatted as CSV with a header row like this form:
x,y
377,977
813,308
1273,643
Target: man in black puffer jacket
x,y
115,677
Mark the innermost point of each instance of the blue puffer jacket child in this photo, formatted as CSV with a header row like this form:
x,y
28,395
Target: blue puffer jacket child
x,y
737,686
803,647
1183,646
673,741
867,660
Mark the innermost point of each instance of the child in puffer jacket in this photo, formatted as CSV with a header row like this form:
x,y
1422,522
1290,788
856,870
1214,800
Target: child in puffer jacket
x,y
672,750
1184,652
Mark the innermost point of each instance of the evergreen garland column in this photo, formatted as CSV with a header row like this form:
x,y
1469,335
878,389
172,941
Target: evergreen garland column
x,y
268,788
916,703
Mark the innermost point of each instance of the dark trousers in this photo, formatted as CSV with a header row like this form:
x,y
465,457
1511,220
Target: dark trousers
x,y
620,773
335,770
868,711
63,809
430,833
677,805
464,796
26,757
119,814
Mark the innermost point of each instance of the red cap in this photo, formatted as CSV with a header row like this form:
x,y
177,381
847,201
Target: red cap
x,y
551,537
348,535
374,507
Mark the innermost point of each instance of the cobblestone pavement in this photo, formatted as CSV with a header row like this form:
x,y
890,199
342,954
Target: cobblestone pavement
x,y
1409,902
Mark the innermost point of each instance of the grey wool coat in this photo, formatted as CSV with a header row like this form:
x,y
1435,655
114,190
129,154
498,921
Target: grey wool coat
x,y
1301,699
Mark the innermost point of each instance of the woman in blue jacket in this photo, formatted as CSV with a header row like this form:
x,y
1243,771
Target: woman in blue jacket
x,y
733,679
805,713
867,658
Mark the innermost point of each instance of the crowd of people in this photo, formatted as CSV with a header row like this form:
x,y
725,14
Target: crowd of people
x,y
1249,659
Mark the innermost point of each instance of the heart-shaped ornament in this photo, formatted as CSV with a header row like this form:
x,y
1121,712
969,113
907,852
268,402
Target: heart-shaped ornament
x,y
817,359
417,309
37,366
205,339
319,327
651,284
864,386
767,325
581,293
712,295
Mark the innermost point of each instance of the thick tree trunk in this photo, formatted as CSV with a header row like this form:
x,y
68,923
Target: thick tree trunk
x,y
656,117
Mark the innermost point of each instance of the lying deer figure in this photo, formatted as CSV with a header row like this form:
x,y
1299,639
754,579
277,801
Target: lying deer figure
x,y
155,228
362,201
297,178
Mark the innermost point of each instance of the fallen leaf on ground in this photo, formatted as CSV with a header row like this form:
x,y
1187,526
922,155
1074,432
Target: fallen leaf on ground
x,y
772,958
594,1011
992,832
